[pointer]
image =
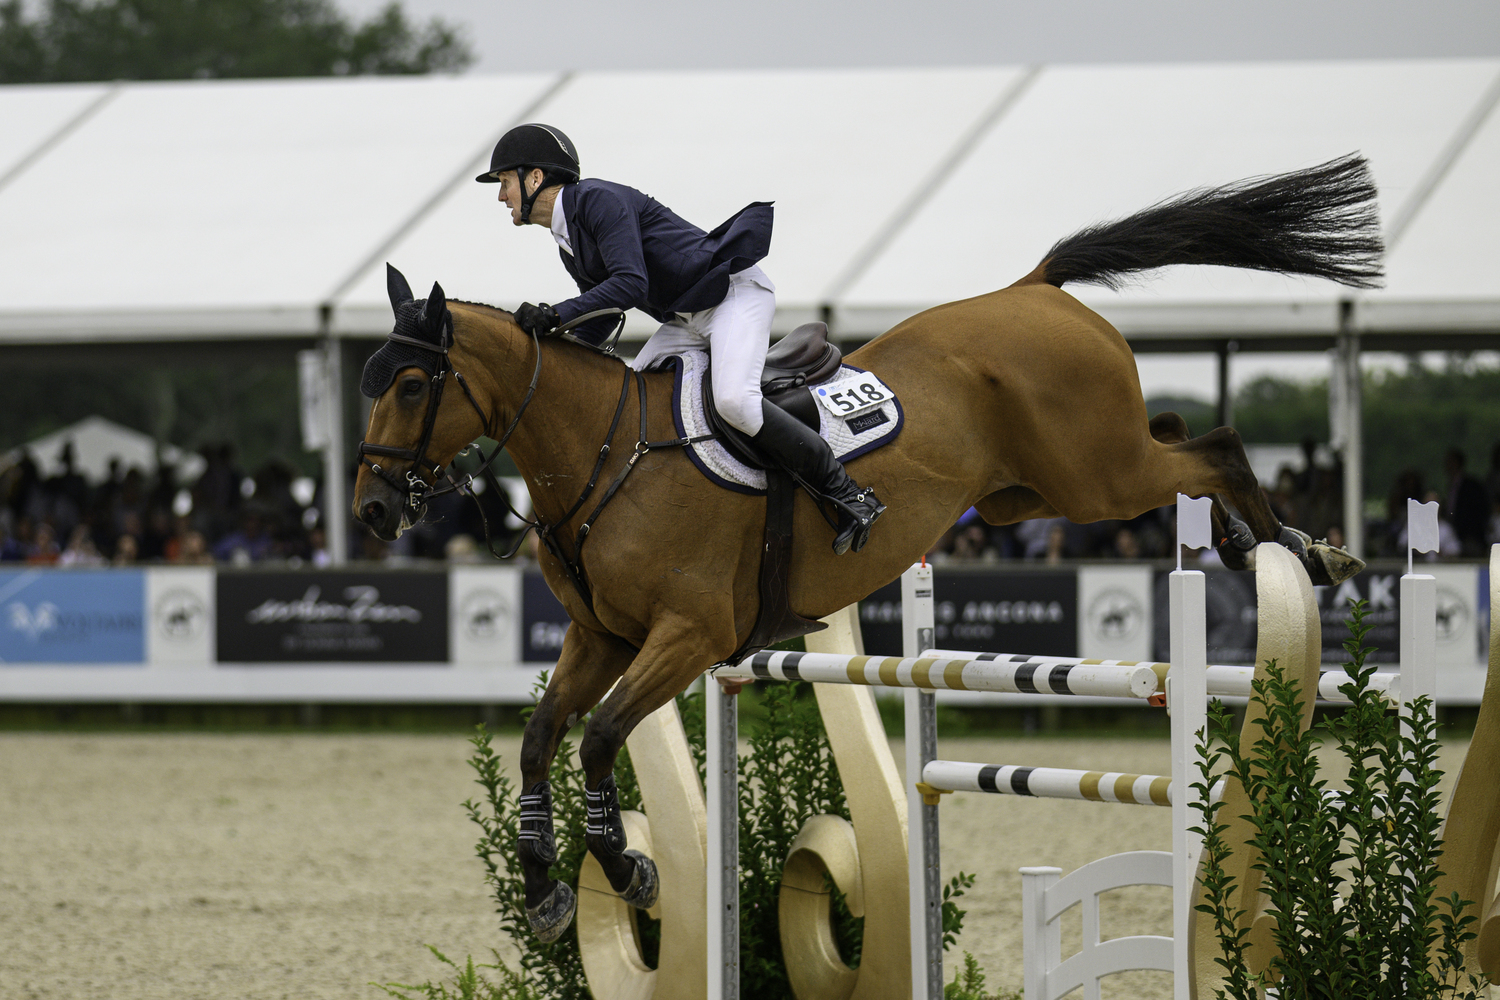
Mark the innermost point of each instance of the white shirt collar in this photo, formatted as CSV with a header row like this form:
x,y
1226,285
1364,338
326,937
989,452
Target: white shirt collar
x,y
560,223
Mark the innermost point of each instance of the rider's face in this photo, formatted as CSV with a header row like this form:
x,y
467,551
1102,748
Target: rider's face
x,y
510,192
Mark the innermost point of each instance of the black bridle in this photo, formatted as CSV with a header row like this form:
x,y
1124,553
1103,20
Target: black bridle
x,y
416,490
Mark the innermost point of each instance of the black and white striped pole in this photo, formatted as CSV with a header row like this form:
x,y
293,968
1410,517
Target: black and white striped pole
x,y
924,864
721,709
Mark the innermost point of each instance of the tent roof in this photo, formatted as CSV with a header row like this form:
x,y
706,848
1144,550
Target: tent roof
x,y
211,209
96,442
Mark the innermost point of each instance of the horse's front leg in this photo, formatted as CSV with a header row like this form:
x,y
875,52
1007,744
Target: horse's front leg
x,y
673,655
589,664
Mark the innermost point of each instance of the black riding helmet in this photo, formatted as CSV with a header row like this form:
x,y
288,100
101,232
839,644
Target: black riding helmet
x,y
528,146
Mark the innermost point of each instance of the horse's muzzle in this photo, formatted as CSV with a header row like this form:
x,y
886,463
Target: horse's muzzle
x,y
382,515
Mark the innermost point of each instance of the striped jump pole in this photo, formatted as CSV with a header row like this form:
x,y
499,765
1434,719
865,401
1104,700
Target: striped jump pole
x,y
1223,681
1051,782
1053,676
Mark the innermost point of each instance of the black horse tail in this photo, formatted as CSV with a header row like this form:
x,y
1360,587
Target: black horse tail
x,y
1320,221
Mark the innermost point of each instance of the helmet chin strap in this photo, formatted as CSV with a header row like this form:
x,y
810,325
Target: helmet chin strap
x,y
528,200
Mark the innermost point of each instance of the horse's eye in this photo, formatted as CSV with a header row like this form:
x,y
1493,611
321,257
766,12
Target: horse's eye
x,y
411,388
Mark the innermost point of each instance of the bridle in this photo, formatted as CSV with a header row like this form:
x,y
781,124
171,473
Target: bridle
x,y
416,490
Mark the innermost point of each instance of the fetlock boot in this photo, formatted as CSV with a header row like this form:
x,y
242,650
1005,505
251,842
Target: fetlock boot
x,y
799,450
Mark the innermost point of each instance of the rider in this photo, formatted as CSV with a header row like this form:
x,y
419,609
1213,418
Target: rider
x,y
627,250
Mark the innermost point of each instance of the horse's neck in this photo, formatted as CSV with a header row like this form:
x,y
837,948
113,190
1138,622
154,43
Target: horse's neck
x,y
557,441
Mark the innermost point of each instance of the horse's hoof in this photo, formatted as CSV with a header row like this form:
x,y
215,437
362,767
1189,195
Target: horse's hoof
x,y
1328,566
551,916
644,885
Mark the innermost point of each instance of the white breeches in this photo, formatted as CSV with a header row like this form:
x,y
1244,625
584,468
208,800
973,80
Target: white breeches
x,y
736,333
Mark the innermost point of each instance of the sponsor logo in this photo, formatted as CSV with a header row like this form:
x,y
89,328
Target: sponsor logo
x,y
486,614
867,421
363,606
33,623
1116,614
1454,618
180,615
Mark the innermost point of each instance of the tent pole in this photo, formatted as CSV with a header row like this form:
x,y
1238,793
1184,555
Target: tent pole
x,y
1226,397
335,498
1348,432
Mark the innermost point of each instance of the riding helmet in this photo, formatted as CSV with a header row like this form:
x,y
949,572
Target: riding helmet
x,y
533,145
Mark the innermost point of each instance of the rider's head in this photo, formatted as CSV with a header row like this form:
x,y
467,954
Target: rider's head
x,y
527,160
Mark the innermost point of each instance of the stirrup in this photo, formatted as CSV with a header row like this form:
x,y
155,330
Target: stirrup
x,y
854,527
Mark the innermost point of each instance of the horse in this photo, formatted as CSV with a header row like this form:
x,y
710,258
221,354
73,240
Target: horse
x,y
1021,403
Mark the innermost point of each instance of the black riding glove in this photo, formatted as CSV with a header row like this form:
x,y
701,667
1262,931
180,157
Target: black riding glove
x,y
537,320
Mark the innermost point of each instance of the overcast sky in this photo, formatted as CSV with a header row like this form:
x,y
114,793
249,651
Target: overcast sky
x,y
705,34
657,34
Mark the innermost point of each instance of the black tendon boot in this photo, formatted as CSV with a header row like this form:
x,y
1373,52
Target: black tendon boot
x,y
799,450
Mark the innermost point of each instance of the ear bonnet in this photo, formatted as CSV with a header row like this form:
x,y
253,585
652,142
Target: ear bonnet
x,y
408,345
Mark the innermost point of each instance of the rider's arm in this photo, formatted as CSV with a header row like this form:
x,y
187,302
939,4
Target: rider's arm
x,y
616,229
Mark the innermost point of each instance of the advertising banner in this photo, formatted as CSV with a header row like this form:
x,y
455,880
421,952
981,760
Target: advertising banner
x,y
1232,615
180,616
485,614
72,616
334,616
543,620
989,611
1114,612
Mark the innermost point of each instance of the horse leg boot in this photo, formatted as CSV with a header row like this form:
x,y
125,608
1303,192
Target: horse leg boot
x,y
630,873
590,663
799,450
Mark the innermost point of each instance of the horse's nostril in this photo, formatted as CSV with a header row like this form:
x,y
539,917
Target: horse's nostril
x,y
374,512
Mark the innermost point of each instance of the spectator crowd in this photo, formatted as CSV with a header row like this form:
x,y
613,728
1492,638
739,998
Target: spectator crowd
x,y
272,515
224,516
1310,499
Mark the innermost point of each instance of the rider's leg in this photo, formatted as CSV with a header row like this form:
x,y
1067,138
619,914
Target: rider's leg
x,y
739,330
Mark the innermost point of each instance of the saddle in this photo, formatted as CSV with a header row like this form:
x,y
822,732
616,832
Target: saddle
x,y
802,359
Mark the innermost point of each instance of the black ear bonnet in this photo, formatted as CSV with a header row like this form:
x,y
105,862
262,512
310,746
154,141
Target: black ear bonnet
x,y
413,322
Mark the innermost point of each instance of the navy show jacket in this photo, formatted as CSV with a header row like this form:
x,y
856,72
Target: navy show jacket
x,y
632,252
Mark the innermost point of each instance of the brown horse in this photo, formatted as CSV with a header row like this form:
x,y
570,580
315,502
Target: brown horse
x,y
1023,403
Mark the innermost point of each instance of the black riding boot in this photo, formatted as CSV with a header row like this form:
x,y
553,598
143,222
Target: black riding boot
x,y
799,450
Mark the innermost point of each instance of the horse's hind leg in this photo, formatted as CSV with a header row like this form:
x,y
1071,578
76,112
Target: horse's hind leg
x,y
589,664
1233,539
1222,467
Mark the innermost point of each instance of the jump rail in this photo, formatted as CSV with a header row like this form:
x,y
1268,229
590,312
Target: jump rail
x,y
1185,685
1223,681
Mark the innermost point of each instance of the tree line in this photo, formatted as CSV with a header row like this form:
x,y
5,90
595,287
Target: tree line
x,y
92,40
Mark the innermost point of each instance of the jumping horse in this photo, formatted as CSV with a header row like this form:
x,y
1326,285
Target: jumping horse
x,y
1022,403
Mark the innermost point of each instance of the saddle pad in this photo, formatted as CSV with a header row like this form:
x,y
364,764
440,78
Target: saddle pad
x,y
871,429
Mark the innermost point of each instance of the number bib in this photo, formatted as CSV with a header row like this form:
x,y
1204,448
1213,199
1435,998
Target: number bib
x,y
853,394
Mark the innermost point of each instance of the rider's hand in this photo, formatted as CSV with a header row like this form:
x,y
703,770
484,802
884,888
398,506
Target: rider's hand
x,y
537,320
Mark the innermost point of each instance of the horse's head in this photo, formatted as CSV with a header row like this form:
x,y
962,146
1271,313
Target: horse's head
x,y
415,428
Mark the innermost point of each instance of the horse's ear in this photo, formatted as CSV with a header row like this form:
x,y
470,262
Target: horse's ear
x,y
436,305
396,286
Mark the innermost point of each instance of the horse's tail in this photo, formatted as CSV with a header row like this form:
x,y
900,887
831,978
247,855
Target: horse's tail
x,y
1320,221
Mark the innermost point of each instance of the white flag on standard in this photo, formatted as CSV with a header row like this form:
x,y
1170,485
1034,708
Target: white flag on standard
x,y
1422,525
1194,525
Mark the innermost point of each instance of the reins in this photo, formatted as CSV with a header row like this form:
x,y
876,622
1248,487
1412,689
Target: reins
x,y
418,492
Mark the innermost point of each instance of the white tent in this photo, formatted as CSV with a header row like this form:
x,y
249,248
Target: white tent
x,y
209,210
96,442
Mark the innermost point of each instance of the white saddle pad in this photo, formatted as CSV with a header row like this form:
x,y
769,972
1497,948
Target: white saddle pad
x,y
849,437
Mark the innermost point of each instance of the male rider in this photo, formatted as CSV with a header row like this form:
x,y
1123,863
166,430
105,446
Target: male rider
x,y
626,250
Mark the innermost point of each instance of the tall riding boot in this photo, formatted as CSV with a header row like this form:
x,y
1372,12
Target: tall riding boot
x,y
799,450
